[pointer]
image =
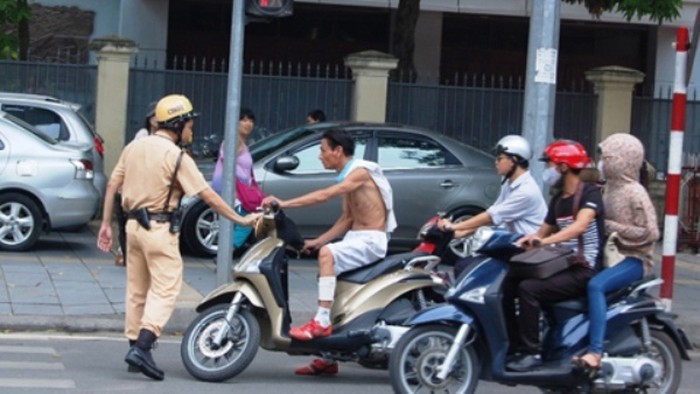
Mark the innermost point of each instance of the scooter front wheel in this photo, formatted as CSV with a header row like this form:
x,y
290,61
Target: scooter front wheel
x,y
210,362
414,362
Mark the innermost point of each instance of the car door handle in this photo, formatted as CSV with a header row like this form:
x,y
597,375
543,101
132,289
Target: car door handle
x,y
447,184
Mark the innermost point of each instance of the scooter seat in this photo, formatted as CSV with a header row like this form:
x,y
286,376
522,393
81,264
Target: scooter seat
x,y
380,267
580,305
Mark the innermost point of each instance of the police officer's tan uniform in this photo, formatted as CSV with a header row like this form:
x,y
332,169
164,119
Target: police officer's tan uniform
x,y
154,272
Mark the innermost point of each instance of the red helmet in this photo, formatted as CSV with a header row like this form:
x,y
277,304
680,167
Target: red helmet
x,y
567,152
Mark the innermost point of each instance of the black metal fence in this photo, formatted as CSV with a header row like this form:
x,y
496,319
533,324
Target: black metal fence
x,y
279,100
476,110
70,82
651,123
483,109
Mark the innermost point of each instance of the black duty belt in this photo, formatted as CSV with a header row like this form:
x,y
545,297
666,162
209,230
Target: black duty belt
x,y
160,217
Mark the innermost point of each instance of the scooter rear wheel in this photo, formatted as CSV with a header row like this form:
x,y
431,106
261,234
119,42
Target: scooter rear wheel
x,y
414,362
206,361
664,350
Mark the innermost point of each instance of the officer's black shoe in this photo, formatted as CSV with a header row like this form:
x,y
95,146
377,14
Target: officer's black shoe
x,y
131,368
142,359
525,363
139,355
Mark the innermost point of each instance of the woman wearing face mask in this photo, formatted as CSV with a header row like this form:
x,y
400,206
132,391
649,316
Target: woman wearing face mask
x,y
576,211
630,213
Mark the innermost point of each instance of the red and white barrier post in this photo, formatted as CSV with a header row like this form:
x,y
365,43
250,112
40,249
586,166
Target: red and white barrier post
x,y
673,177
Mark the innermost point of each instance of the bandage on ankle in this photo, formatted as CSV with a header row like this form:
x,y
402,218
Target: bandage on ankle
x,y
326,288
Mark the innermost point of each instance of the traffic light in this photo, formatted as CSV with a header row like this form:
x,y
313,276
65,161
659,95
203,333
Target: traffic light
x,y
270,8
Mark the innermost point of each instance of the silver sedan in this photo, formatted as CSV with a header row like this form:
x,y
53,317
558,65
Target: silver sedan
x,y
428,172
44,184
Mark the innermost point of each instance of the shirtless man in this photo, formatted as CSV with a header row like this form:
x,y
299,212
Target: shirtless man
x,y
365,222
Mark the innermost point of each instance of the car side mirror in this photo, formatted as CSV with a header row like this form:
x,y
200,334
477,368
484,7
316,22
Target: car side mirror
x,y
286,163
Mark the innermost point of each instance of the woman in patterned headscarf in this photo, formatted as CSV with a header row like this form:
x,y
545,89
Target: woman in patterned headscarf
x,y
630,213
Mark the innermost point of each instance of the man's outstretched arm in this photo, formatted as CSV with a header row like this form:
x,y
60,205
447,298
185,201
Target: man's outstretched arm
x,y
350,183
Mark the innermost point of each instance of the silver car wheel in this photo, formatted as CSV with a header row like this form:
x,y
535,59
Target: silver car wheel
x,y
16,223
207,229
461,247
20,222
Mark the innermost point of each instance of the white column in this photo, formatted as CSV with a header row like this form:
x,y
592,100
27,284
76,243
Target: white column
x,y
370,71
113,58
614,86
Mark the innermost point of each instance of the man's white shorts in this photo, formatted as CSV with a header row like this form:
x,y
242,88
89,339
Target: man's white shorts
x,y
357,249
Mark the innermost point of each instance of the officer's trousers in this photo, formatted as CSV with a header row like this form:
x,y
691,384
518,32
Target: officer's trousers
x,y
153,277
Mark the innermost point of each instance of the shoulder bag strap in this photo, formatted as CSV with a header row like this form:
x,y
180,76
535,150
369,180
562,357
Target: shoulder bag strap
x,y
576,206
172,183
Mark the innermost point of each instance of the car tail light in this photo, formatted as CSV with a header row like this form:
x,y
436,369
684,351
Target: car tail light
x,y
99,145
83,169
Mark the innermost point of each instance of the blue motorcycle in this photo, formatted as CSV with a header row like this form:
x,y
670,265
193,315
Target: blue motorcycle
x,y
451,346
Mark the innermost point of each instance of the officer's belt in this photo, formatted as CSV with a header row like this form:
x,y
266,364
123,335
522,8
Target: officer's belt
x,y
159,217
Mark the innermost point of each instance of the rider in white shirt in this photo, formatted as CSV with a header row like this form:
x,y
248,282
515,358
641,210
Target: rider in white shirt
x,y
520,207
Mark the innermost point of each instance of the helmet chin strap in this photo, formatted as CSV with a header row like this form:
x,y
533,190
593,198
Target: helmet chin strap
x,y
511,171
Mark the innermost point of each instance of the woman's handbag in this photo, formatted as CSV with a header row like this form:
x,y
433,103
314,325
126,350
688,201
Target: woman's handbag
x,y
611,255
250,196
542,262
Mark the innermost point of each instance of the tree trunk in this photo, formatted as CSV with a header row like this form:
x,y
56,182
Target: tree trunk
x,y
403,42
23,32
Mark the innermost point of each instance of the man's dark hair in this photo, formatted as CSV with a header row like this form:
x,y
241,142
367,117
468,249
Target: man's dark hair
x,y
338,137
317,115
246,113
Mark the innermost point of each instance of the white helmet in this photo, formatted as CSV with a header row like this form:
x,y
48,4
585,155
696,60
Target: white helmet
x,y
514,145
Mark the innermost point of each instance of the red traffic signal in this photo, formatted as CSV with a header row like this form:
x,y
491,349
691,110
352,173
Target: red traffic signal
x,y
270,8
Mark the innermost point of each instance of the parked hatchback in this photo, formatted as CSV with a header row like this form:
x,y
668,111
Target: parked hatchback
x,y
44,184
429,172
61,120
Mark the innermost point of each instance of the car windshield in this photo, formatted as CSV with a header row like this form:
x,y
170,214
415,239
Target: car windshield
x,y
269,144
31,129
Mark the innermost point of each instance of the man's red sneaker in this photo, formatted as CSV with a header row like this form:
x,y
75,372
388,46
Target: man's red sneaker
x,y
312,329
317,367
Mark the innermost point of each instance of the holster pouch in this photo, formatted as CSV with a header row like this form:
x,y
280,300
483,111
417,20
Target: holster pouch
x,y
175,220
141,216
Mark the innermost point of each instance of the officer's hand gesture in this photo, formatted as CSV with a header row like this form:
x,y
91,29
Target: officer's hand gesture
x,y
251,218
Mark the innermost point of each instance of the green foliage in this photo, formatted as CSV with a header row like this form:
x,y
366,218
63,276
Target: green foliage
x,y
657,10
12,13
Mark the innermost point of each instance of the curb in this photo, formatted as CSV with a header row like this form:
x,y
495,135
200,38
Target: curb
x,y
177,325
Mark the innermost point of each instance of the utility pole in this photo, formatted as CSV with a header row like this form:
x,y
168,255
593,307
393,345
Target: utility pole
x,y
233,107
541,80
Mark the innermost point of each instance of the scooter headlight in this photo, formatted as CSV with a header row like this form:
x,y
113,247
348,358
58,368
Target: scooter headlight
x,y
480,237
475,295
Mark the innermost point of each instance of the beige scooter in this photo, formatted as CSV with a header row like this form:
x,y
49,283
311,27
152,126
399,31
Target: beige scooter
x,y
370,305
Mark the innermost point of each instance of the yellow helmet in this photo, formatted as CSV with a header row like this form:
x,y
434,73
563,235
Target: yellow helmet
x,y
173,108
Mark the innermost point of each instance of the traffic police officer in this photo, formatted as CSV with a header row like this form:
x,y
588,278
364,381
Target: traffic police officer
x,y
150,170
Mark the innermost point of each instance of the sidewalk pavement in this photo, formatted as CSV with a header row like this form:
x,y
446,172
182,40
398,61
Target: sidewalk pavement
x,y
66,284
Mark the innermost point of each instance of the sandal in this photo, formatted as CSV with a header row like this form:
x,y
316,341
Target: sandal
x,y
119,259
590,361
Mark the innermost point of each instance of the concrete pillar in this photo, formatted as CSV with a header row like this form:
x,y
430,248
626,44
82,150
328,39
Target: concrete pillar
x,y
614,86
113,58
370,72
